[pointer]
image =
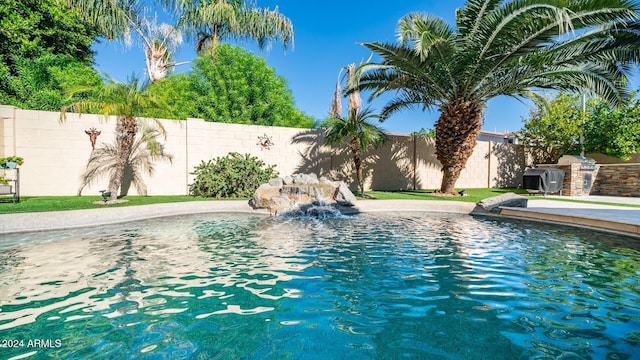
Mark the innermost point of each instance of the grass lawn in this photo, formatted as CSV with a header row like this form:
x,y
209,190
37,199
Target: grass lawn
x,y
59,203
473,195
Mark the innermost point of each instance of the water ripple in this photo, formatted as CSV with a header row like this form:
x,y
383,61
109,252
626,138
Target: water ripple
x,y
435,286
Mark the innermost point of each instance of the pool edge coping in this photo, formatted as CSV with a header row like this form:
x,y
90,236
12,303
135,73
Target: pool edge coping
x,y
612,226
72,219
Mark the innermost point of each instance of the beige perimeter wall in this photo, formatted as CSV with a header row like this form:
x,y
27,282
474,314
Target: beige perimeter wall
x,y
55,154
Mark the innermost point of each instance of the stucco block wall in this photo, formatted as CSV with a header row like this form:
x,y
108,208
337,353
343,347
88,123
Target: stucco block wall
x,y
53,158
56,154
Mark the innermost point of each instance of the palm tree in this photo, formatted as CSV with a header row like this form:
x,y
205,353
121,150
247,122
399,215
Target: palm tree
x,y
209,21
212,21
356,127
145,151
127,102
120,19
360,134
160,42
501,48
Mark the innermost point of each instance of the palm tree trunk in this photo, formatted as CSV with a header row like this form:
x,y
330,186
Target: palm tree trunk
x,y
156,60
457,132
126,130
357,161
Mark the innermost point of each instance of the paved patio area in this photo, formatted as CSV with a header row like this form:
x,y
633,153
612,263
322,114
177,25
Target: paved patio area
x,y
602,216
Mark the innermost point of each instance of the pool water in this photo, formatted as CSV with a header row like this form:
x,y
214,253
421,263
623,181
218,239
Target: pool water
x,y
370,286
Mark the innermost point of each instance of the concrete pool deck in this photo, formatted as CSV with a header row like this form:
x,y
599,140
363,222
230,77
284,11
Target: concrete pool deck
x,y
606,217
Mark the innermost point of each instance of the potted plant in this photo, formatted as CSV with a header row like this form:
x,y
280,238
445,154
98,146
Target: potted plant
x,y
11,162
5,188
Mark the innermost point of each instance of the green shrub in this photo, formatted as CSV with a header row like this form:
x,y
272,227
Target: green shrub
x,y
232,176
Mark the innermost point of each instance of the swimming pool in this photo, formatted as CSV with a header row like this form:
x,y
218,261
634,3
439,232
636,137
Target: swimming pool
x,y
370,286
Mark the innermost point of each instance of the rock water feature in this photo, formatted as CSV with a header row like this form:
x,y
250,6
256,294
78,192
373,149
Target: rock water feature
x,y
304,195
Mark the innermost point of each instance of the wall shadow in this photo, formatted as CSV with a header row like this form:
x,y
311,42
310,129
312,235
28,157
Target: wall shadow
x,y
511,164
316,157
403,163
395,168
387,168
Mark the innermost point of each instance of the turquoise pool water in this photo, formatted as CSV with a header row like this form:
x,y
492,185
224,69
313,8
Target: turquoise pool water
x,y
371,286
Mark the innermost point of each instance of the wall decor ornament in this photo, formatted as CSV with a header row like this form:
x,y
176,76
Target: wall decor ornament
x,y
93,136
265,142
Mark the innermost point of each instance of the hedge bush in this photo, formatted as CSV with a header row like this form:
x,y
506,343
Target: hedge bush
x,y
231,176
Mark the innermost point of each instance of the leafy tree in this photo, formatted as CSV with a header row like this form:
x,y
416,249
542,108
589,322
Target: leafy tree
x,y
127,102
42,46
238,88
501,48
429,133
613,131
179,92
551,133
355,129
145,151
40,82
30,27
241,88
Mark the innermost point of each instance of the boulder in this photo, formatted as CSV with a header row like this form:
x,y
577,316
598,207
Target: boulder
x,y
276,182
301,191
344,196
325,180
263,195
510,199
305,179
278,204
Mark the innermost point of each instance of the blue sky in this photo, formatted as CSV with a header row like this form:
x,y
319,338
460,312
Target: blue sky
x,y
327,36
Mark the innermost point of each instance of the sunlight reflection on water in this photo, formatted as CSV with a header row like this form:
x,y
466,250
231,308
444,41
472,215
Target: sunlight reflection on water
x,y
369,286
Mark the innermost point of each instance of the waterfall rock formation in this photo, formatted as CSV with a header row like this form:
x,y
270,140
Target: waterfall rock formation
x,y
299,192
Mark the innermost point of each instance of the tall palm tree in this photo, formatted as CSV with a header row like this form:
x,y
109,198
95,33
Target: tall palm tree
x,y
502,48
145,151
126,102
355,128
126,20
160,43
211,21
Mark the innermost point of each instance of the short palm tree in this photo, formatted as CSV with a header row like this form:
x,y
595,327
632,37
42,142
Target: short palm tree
x,y
214,20
146,150
126,102
355,128
501,48
359,133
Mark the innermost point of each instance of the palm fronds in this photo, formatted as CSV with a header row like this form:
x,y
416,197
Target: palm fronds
x,y
511,48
